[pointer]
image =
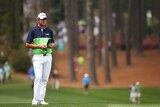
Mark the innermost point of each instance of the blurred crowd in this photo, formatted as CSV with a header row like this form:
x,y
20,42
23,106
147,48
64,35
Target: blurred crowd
x,y
5,72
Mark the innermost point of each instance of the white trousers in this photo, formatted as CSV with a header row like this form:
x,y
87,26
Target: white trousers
x,y
42,67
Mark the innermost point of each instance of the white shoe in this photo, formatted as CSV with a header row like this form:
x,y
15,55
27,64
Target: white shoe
x,y
43,103
34,103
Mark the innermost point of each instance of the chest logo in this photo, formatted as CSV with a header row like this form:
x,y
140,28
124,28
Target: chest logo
x,y
46,34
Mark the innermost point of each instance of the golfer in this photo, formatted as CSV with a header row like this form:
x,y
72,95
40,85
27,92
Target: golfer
x,y
41,40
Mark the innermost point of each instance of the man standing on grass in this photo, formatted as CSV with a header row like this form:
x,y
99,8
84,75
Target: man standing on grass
x,y
41,40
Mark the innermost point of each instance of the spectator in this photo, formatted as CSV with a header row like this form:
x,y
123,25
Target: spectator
x,y
81,62
1,73
86,81
132,93
138,92
31,75
61,45
75,63
7,70
56,82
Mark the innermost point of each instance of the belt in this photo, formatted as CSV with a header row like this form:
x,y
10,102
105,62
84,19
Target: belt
x,y
42,54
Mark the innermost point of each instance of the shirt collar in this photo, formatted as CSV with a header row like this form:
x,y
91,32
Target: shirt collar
x,y
37,27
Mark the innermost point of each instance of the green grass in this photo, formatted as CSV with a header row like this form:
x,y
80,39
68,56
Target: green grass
x,y
18,93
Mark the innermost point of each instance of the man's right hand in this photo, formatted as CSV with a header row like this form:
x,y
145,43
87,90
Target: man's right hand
x,y
42,46
30,45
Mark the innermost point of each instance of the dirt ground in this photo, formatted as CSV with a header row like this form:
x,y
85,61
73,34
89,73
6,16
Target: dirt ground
x,y
145,69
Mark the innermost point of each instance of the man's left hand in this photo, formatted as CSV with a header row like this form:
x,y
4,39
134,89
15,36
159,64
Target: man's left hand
x,y
51,45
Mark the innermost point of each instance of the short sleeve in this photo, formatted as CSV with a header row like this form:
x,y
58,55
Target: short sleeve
x,y
30,37
52,36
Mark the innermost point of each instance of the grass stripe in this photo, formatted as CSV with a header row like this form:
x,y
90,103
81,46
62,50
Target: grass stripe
x,y
19,94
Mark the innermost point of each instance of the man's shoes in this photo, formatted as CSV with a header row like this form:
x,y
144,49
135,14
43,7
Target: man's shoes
x,y
34,103
39,103
43,103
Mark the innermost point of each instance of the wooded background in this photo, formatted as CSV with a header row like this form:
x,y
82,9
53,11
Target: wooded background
x,y
133,20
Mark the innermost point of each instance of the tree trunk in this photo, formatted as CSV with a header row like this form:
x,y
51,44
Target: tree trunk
x,y
156,16
74,11
140,28
105,14
118,13
100,37
16,24
90,41
69,24
123,45
133,23
26,14
112,35
128,48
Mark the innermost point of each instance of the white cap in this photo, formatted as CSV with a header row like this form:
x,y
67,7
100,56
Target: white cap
x,y
42,16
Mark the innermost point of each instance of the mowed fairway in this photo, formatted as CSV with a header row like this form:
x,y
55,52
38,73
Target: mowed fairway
x,y
18,93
